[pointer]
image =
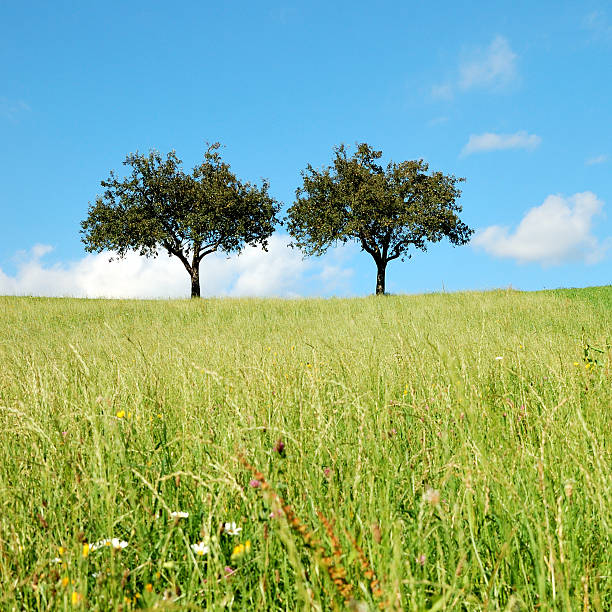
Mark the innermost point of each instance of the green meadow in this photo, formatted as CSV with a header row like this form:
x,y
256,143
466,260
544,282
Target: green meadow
x,y
430,452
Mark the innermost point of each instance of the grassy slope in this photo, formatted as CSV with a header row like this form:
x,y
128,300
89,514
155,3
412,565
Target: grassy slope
x,y
382,404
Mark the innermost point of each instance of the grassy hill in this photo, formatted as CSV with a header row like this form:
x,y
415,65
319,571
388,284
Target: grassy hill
x,y
443,451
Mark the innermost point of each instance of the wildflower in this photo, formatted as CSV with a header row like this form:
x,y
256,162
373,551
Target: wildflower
x,y
61,550
229,571
576,363
327,472
499,358
232,529
432,496
65,581
121,414
254,483
149,587
76,598
421,560
238,551
85,550
115,543
179,515
56,560
200,549
279,447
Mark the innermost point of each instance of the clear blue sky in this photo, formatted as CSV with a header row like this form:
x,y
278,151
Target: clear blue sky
x,y
514,96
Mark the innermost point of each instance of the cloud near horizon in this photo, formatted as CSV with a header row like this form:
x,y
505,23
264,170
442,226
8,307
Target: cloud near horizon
x,y
281,271
558,231
489,141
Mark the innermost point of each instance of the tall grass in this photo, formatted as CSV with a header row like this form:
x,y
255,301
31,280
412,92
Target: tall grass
x,y
443,452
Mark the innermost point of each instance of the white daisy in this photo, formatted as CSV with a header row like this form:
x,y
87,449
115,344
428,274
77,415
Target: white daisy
x,y
179,515
231,528
115,543
200,549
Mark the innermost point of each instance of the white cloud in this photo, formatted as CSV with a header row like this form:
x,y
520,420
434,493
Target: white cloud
x,y
442,92
489,141
12,109
557,231
437,121
598,24
598,159
279,272
493,68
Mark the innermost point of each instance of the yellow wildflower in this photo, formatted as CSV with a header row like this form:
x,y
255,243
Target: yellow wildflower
x,y
238,551
149,587
121,414
65,581
76,598
85,550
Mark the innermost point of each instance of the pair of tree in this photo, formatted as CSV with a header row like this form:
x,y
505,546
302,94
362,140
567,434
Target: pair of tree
x,y
386,210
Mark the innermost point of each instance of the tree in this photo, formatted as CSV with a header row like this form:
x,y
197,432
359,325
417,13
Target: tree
x,y
188,215
386,211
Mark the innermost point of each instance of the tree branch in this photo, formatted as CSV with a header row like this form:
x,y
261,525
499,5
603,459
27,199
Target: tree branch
x,y
395,254
177,253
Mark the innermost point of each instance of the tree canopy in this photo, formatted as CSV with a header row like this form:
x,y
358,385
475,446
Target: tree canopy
x,y
160,207
386,211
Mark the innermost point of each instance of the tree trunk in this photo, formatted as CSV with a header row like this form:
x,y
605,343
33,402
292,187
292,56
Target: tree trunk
x,y
195,282
380,277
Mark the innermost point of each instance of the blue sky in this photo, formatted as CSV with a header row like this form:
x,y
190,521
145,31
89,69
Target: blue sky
x,y
514,96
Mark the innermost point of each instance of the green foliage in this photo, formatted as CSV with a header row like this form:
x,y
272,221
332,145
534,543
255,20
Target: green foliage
x,y
188,215
387,211
469,482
